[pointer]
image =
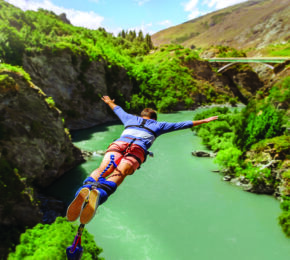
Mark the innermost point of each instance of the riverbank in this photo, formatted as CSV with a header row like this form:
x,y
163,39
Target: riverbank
x,y
253,145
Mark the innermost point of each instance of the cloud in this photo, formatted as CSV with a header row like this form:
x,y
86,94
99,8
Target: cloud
x,y
194,14
89,20
141,2
191,6
219,4
194,7
165,23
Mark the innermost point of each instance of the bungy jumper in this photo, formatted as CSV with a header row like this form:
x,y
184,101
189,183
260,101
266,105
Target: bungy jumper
x,y
75,251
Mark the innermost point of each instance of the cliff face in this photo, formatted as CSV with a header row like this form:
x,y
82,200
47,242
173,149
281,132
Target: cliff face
x,y
240,82
34,148
76,84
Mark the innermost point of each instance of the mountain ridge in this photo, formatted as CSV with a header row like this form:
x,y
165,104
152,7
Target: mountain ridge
x,y
253,24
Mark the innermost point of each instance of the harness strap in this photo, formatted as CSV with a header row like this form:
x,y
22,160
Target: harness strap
x,y
126,152
134,156
143,126
103,186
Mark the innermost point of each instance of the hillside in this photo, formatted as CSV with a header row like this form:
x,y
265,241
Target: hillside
x,y
253,24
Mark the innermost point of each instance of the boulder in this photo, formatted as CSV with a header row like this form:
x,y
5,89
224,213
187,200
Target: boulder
x,y
199,153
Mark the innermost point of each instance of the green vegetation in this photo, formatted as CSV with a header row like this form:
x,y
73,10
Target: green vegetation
x,y
284,218
44,31
221,51
185,37
256,136
34,32
278,50
6,82
51,241
260,121
50,102
218,18
162,77
17,69
140,44
226,52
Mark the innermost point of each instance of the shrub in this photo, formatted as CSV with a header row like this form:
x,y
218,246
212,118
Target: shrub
x,y
258,176
259,122
51,241
284,218
229,158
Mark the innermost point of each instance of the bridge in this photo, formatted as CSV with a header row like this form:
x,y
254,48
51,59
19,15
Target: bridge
x,y
266,60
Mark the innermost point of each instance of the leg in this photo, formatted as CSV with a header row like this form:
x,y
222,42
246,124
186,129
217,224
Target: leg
x,y
106,160
100,188
87,198
106,187
123,170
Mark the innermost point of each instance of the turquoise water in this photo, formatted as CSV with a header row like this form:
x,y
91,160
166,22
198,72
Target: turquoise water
x,y
175,207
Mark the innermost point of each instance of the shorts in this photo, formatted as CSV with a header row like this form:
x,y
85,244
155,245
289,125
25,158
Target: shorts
x,y
135,150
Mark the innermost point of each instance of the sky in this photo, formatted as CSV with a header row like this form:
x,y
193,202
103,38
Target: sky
x,y
150,16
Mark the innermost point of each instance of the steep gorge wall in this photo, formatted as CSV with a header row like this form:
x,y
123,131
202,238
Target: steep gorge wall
x,y
77,84
35,149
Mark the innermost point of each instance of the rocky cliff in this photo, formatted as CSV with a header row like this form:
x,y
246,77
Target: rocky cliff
x,y
76,84
35,149
240,81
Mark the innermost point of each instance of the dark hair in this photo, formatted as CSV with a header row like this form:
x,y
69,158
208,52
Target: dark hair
x,y
149,112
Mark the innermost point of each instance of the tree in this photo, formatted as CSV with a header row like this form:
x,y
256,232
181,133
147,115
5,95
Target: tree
x,y
149,41
140,36
11,45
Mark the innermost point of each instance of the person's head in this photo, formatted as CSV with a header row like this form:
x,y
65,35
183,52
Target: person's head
x,y
149,113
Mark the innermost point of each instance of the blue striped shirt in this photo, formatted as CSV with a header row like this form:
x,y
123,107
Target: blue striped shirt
x,y
145,138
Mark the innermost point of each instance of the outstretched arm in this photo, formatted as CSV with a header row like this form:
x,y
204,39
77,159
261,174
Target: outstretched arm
x,y
110,102
203,121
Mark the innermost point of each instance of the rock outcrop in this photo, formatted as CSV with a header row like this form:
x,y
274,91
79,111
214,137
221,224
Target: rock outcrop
x,y
240,82
76,85
272,155
35,148
199,153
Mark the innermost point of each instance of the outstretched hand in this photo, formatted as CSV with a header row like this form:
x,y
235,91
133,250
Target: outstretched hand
x,y
206,120
107,99
210,119
110,102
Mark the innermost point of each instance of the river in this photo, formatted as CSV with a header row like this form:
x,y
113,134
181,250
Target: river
x,y
175,207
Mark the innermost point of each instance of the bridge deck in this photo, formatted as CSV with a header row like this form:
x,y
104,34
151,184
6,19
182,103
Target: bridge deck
x,y
252,59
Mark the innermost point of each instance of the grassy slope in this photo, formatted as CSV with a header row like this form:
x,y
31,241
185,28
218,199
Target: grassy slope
x,y
241,26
